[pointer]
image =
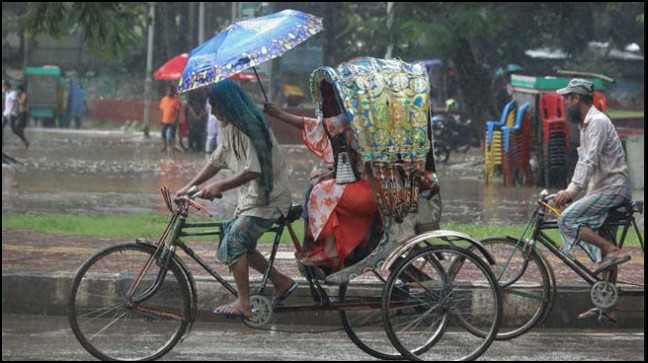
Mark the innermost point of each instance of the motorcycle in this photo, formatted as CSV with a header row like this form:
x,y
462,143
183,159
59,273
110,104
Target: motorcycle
x,y
452,134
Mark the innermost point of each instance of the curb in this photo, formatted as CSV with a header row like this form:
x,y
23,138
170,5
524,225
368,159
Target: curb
x,y
46,294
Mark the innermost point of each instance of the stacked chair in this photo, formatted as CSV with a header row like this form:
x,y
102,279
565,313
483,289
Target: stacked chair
x,y
555,137
515,158
493,144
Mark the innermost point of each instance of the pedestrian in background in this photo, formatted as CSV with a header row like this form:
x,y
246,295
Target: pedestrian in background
x,y
23,109
78,105
10,113
196,115
170,107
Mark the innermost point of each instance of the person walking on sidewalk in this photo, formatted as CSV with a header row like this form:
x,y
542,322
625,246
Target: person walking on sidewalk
x,y
10,113
250,151
602,171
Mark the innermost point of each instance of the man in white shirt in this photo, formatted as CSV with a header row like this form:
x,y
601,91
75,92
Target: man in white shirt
x,y
10,111
601,171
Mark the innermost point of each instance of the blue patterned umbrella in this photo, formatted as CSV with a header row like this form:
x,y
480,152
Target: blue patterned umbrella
x,y
246,44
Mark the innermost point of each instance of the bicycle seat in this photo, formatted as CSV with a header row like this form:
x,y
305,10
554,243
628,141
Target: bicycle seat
x,y
623,211
294,213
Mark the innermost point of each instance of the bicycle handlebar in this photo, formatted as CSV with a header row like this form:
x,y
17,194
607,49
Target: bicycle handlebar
x,y
194,193
184,201
545,196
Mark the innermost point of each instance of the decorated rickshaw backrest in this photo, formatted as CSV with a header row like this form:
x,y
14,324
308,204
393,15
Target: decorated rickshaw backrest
x,y
386,103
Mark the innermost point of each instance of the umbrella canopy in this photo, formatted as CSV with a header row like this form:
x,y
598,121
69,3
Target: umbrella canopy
x,y
245,77
246,44
172,69
508,69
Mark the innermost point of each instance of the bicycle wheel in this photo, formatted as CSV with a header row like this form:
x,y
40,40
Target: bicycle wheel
x,y
364,324
112,325
528,286
441,153
427,299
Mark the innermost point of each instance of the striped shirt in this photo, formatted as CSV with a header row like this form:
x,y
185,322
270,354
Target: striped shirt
x,y
601,161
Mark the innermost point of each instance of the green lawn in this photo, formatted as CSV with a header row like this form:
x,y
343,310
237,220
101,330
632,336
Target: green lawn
x,y
615,113
150,226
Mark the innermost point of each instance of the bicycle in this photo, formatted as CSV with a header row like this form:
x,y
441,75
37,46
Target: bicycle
x,y
136,301
527,278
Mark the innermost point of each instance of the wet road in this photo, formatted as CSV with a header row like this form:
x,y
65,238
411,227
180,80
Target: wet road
x,y
50,338
101,172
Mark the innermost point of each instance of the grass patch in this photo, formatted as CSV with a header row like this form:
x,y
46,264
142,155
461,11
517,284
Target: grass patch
x,y
122,226
480,231
616,113
151,226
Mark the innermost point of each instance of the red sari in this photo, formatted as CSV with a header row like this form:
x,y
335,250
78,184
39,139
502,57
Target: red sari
x,y
344,211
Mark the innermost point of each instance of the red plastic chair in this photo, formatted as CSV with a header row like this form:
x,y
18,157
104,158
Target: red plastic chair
x,y
552,106
600,101
552,111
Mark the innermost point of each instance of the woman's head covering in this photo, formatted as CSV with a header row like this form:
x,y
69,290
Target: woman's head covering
x,y
238,109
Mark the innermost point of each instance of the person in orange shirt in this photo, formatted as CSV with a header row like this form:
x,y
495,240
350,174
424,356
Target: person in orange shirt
x,y
170,107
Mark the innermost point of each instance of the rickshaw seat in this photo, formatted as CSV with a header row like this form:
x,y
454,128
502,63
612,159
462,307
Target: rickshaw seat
x,y
369,244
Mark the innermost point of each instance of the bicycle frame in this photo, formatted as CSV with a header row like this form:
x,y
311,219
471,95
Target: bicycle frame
x,y
178,227
539,235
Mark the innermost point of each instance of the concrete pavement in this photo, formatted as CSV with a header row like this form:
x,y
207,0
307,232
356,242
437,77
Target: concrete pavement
x,y
37,270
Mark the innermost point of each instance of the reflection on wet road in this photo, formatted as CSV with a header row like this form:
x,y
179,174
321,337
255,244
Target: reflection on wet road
x,y
94,172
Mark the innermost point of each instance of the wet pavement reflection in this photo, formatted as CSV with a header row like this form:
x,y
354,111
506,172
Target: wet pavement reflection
x,y
114,172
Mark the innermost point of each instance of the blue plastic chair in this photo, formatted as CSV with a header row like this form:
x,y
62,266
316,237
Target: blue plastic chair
x,y
506,130
493,125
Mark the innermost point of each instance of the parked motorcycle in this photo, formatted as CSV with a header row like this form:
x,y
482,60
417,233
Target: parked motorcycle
x,y
454,134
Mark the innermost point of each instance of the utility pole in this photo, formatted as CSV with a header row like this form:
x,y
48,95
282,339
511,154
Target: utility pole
x,y
390,32
235,6
201,22
149,70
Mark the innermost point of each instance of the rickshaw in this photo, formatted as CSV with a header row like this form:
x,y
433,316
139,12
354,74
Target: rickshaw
x,y
45,86
418,287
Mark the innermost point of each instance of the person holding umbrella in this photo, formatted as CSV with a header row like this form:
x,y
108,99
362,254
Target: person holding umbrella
x,y
250,150
248,147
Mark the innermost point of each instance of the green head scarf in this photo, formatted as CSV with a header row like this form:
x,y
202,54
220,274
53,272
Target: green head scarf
x,y
239,110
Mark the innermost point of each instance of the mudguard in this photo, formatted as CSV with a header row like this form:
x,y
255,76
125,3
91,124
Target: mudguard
x,y
442,236
188,276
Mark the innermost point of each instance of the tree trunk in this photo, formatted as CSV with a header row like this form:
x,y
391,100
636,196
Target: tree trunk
x,y
473,84
192,27
329,43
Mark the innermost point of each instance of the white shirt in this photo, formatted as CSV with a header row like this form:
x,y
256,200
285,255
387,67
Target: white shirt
x,y
11,106
601,160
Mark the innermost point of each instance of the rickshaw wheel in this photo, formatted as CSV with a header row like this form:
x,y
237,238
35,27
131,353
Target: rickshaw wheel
x,y
365,326
436,296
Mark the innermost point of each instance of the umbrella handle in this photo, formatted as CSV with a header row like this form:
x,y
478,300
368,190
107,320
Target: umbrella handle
x,y
258,79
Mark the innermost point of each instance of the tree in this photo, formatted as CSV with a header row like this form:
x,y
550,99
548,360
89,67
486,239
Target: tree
x,y
107,28
479,37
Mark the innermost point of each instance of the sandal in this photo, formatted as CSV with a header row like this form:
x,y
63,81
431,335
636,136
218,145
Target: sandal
x,y
610,262
235,312
598,314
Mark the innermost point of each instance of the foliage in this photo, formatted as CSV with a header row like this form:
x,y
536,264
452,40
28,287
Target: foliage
x,y
106,27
